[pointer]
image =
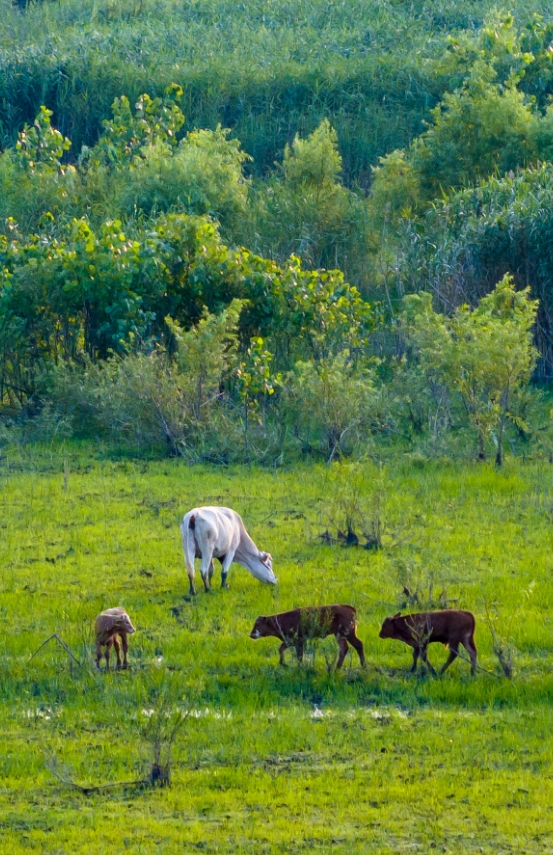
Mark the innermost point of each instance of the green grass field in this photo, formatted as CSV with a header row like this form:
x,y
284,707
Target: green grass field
x,y
272,760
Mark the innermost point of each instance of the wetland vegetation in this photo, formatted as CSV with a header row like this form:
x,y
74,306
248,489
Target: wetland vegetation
x,y
294,259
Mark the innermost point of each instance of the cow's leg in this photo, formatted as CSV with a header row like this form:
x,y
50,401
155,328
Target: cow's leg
x,y
453,654
470,647
108,651
344,647
358,645
211,571
98,654
206,568
424,657
125,646
281,650
226,561
117,652
415,659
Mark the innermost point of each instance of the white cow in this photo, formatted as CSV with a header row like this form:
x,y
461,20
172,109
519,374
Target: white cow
x,y
212,532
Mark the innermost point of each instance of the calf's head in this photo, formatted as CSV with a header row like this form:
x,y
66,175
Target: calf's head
x,y
122,623
262,627
390,628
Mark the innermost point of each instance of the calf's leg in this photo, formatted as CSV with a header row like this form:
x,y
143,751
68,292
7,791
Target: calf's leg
x,y
415,659
344,647
125,646
117,651
453,654
470,647
424,657
108,651
358,645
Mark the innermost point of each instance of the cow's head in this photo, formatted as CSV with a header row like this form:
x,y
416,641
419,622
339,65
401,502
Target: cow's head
x,y
389,627
262,627
262,569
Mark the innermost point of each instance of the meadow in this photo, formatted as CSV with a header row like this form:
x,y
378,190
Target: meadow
x,y
272,760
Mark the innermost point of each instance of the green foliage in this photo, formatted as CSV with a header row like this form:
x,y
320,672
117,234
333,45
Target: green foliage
x,y
313,162
126,135
336,395
255,381
254,376
267,73
484,355
206,354
202,176
102,257
41,145
486,125
479,131
468,242
308,212
160,400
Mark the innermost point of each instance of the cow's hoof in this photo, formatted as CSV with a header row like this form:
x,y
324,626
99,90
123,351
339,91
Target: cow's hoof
x,y
225,587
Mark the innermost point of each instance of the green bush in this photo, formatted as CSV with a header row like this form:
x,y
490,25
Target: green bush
x,y
469,241
483,356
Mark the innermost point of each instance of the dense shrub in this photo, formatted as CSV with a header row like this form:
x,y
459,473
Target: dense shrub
x,y
471,240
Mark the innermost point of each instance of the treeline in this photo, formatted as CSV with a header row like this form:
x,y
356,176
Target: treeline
x,y
156,289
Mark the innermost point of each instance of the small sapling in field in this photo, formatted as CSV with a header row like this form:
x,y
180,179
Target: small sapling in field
x,y
420,587
160,731
357,504
501,631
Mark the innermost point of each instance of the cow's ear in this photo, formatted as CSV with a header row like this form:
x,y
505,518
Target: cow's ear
x,y
398,614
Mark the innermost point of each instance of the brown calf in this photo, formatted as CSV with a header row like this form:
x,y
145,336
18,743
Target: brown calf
x,y
109,625
450,626
297,626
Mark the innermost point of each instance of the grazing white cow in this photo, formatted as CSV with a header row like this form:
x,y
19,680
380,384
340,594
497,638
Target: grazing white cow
x,y
212,532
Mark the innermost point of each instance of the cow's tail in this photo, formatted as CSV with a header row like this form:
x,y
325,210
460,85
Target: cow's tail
x,y
187,529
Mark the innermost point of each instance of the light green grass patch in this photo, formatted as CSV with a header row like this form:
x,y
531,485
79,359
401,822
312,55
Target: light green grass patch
x,y
271,760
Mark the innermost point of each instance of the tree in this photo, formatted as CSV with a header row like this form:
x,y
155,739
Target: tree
x,y
202,175
206,355
306,211
484,355
335,395
255,380
481,129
